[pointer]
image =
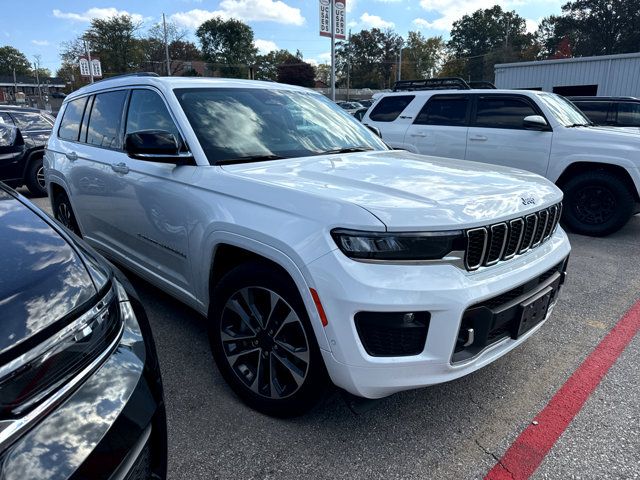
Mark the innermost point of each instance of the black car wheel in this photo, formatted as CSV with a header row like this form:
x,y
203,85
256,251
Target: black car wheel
x,y
35,178
263,342
597,203
63,212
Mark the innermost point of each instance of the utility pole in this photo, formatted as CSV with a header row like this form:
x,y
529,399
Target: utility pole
x,y
166,45
333,50
15,86
400,61
37,67
348,64
87,48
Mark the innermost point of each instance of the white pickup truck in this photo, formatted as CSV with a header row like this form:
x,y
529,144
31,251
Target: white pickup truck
x,y
596,167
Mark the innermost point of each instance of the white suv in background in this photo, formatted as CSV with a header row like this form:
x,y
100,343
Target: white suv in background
x,y
596,167
315,252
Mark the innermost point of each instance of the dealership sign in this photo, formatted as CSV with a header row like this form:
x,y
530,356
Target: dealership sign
x,y
339,18
95,65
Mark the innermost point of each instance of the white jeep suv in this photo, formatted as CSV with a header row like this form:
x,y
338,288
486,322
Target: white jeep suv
x,y
315,251
598,168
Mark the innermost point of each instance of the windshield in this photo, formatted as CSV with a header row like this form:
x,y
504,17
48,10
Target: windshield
x,y
563,110
252,124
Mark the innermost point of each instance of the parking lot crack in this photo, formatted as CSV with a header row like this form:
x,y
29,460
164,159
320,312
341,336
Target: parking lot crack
x,y
495,457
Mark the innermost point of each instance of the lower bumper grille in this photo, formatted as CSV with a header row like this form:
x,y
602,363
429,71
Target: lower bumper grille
x,y
499,317
393,334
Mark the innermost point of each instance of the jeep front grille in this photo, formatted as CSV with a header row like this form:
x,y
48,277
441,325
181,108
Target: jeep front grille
x,y
489,245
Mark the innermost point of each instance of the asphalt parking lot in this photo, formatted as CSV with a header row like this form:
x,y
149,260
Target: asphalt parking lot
x,y
456,430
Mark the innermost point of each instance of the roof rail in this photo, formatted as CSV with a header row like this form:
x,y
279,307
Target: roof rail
x,y
482,84
443,83
134,74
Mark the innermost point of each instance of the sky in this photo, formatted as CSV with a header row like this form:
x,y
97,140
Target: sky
x,y
38,27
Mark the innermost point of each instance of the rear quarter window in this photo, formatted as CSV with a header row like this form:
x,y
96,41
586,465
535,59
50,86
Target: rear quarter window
x,y
70,123
389,108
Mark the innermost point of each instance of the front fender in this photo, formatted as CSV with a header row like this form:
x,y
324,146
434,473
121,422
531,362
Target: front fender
x,y
296,270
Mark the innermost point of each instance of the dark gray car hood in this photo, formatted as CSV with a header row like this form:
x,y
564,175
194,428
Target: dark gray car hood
x,y
42,278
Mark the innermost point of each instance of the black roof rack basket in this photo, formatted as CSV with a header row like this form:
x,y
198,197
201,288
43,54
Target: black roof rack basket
x,y
444,83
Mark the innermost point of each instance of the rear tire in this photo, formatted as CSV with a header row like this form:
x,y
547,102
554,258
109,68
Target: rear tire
x,y
35,178
597,203
263,342
63,212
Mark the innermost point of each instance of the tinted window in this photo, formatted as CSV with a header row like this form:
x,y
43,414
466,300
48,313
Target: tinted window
x,y
31,121
444,111
105,119
238,124
629,114
388,109
502,112
147,111
596,111
6,118
70,123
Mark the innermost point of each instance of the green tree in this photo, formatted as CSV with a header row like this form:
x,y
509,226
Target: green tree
x,y
370,57
487,37
11,58
422,57
323,73
266,66
593,27
114,40
228,44
295,71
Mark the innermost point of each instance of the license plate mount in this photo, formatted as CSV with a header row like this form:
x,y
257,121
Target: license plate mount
x,y
534,310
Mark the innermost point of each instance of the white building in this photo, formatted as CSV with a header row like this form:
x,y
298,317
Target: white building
x,y
607,75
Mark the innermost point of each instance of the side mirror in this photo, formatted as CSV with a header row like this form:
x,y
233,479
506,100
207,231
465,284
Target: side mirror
x,y
156,146
11,142
535,122
375,130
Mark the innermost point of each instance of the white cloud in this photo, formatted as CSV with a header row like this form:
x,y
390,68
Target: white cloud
x,y
448,11
101,13
532,25
195,18
245,10
40,43
265,46
374,21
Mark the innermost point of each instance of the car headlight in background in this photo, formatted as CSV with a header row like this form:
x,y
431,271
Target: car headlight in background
x,y
398,246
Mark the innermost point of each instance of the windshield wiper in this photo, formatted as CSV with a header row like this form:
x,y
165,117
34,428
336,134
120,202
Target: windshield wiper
x,y
573,125
346,150
248,159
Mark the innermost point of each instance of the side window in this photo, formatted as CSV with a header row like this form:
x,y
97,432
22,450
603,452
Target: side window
x,y
497,112
444,110
596,111
147,111
105,119
6,118
629,114
31,121
70,123
388,108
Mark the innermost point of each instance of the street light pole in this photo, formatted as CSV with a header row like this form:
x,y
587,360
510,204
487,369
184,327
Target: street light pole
x,y
87,48
166,45
333,51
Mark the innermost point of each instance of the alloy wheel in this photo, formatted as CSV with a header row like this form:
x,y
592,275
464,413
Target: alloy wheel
x,y
595,205
264,342
40,177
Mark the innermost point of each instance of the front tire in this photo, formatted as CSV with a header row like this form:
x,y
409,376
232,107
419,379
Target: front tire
x,y
63,212
263,342
35,178
597,203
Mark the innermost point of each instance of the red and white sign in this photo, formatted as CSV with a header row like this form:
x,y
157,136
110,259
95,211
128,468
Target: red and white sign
x,y
96,67
325,18
339,18
340,7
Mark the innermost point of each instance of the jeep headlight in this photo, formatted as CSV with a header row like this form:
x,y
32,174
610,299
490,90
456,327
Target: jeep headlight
x,y
398,246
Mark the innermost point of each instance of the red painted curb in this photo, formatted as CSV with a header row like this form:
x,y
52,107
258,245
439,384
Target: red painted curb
x,y
528,451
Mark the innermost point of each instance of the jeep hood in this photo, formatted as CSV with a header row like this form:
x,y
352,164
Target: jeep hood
x,y
410,192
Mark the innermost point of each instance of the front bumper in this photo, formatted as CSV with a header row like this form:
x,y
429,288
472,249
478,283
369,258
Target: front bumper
x,y
347,287
112,427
